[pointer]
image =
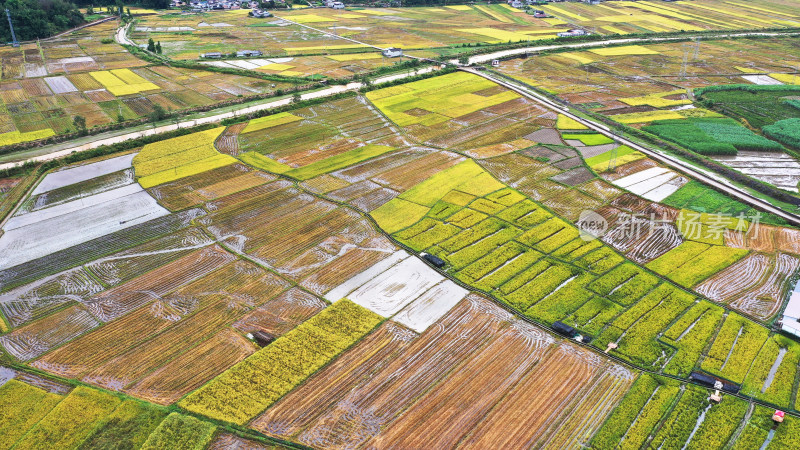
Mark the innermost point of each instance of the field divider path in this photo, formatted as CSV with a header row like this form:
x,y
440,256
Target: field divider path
x,y
713,180
517,314
328,33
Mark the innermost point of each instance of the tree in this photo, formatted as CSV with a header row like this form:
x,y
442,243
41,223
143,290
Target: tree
x,y
158,113
129,13
80,124
296,97
90,10
151,45
38,19
158,47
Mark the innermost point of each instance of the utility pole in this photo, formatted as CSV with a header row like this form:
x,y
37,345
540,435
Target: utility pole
x,y
696,48
14,42
682,75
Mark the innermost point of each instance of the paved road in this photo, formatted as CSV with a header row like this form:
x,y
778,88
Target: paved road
x,y
484,58
60,150
122,35
704,176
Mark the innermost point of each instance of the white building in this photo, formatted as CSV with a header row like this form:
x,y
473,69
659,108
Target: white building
x,y
790,322
575,32
392,52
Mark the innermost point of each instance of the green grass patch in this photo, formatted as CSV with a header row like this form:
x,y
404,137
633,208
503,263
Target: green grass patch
x,y
262,162
785,131
589,139
711,136
338,162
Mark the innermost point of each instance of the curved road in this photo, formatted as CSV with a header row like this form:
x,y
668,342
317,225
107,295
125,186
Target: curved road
x,y
704,176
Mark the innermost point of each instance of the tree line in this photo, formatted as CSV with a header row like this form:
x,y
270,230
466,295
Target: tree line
x,y
38,18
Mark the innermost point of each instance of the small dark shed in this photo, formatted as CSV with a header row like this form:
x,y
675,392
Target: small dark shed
x,y
566,330
436,261
263,338
714,382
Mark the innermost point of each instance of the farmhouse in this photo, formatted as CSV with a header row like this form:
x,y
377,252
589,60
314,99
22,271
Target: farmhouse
x,y
248,53
260,14
573,32
211,55
392,52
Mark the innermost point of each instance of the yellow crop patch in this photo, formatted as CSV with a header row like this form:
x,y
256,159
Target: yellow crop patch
x,y
555,21
566,123
786,78
350,16
614,30
270,121
578,57
276,66
354,56
500,35
657,100
15,137
624,50
760,8
459,7
437,100
562,12
172,159
649,116
123,82
493,14
310,18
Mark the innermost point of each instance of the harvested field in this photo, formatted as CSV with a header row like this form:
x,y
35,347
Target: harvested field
x,y
192,369
42,336
33,301
545,415
117,302
281,314
203,187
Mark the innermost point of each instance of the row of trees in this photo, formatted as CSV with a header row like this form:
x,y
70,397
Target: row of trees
x,y
39,18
